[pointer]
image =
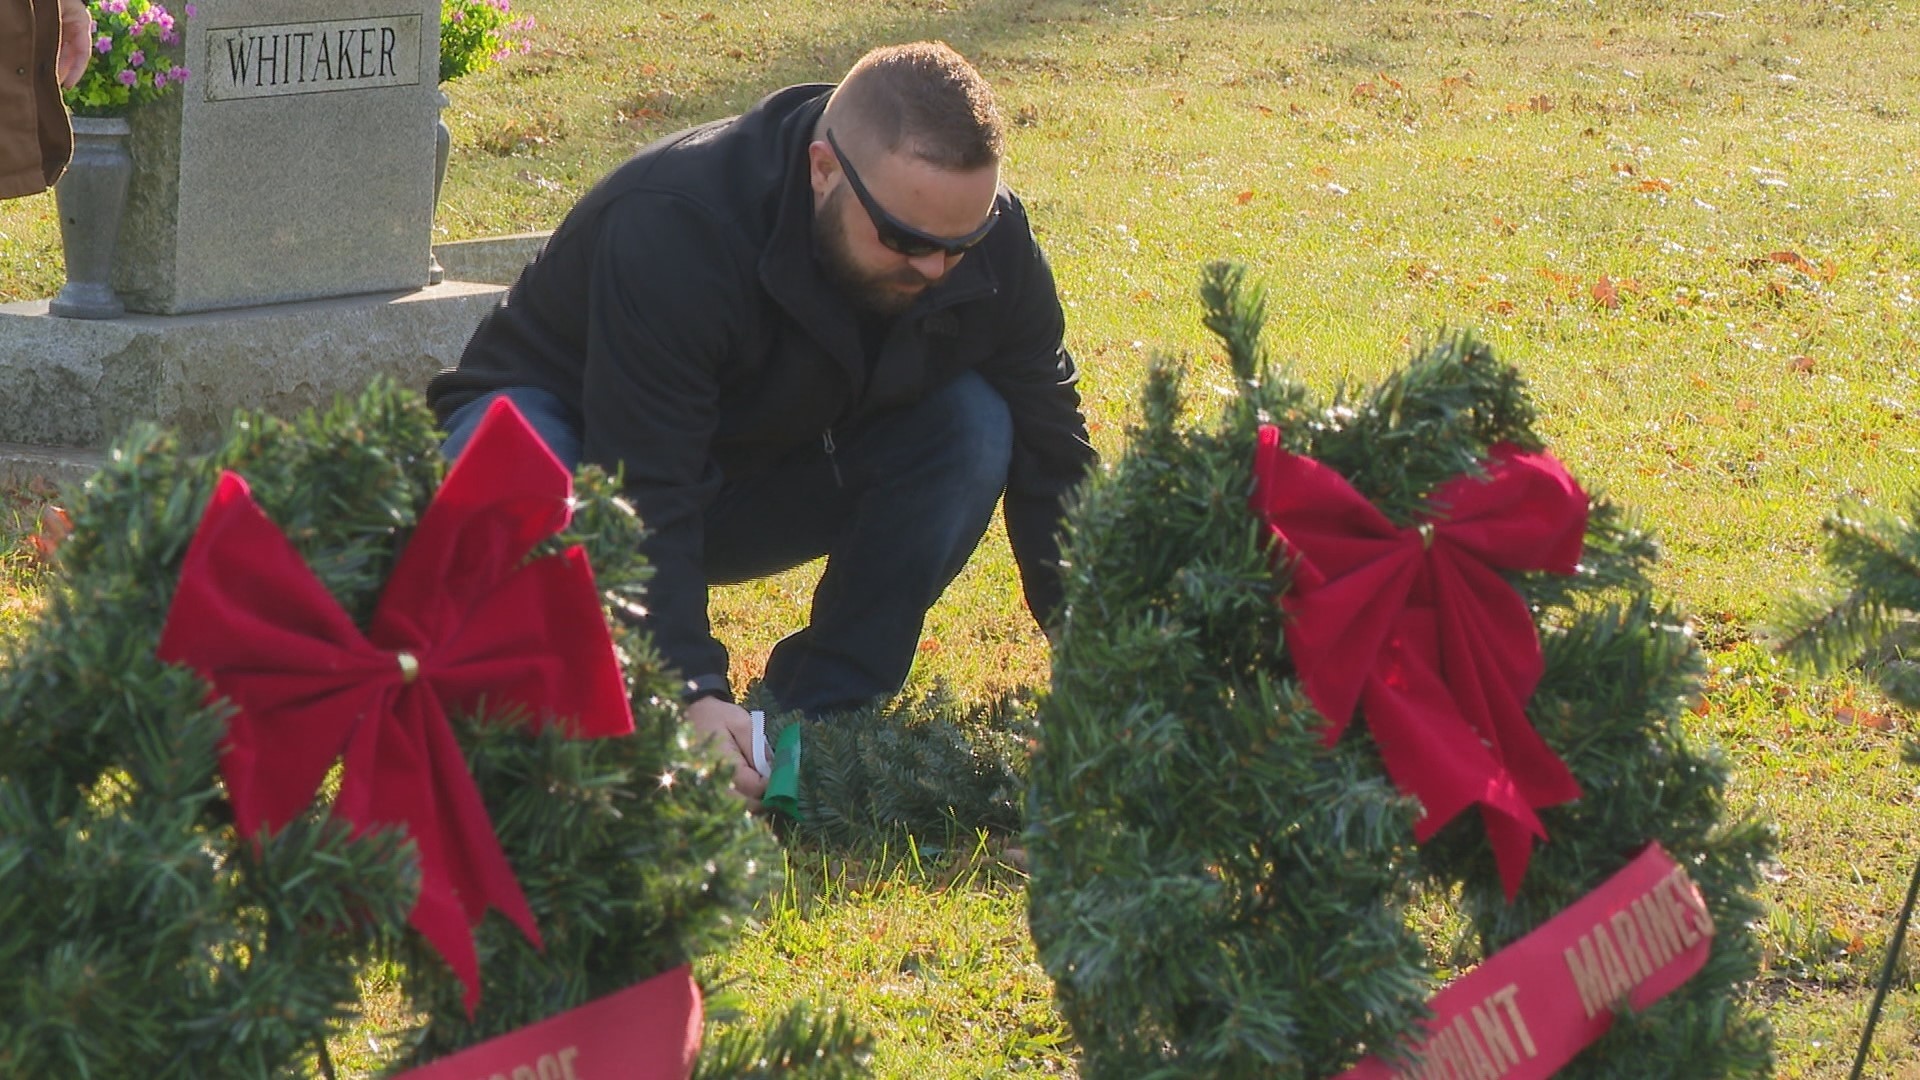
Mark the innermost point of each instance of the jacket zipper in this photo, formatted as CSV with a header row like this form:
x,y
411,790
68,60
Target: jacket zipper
x,y
826,441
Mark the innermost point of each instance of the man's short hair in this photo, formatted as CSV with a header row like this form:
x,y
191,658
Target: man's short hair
x,y
924,98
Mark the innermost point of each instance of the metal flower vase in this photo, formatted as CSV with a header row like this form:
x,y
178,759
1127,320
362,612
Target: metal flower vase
x,y
91,199
442,147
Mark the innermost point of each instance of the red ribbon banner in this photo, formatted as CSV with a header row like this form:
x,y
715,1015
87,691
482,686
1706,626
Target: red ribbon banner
x,y
463,614
1535,1004
1419,626
645,1032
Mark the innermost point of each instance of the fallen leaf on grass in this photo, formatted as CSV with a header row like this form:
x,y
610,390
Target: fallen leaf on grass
x,y
1795,260
52,530
1605,294
1865,718
1243,198
1846,937
1654,184
1802,364
1568,283
1538,104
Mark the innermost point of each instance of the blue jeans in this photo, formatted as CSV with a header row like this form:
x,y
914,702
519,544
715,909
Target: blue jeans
x,y
914,491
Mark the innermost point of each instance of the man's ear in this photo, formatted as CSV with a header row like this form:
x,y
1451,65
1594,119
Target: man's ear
x,y
822,167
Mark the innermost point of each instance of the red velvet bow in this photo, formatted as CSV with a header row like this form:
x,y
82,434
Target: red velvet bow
x,y
1419,627
463,614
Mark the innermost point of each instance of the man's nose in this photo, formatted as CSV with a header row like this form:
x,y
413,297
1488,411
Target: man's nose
x,y
932,266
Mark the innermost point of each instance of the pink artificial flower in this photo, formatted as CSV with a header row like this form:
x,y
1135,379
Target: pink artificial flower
x,y
136,58
458,15
127,78
180,74
104,45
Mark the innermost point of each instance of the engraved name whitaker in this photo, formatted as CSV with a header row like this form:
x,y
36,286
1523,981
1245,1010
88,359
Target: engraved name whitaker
x,y
364,52
304,58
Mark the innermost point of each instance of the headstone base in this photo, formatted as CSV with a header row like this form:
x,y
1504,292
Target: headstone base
x,y
69,388
61,466
496,259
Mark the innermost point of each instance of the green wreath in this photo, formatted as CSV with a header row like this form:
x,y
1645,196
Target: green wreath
x,y
1215,891
140,937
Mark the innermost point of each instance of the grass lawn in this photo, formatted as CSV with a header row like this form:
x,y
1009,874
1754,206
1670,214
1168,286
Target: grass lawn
x,y
1695,230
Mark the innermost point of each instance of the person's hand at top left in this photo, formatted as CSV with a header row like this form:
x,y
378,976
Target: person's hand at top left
x,y
76,42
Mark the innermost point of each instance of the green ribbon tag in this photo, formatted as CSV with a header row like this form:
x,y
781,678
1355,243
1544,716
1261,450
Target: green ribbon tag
x,y
783,783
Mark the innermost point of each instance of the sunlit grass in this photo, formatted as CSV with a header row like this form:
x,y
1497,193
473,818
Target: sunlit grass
x,y
1694,229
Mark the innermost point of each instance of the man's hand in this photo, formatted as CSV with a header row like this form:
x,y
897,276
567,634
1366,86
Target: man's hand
x,y
76,42
729,727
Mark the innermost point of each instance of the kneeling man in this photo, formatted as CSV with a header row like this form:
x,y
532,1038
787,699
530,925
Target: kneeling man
x,y
822,327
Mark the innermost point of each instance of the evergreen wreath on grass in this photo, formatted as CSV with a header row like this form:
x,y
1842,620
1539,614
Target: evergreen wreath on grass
x,y
1867,613
142,937
927,767
1219,893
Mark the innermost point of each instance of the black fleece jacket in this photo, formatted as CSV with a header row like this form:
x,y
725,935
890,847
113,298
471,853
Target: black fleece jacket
x,y
679,311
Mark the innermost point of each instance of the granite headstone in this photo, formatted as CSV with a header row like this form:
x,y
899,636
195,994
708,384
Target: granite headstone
x,y
297,163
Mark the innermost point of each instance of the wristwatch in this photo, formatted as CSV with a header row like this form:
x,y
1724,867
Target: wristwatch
x,y
705,686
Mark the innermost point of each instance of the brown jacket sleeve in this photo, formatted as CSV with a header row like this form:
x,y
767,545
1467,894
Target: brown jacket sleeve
x,y
35,141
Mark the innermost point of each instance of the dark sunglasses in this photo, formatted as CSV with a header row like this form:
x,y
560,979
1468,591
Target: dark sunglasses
x,y
899,236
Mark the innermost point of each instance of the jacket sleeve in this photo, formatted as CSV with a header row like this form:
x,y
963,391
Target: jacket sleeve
x,y
1034,372
659,320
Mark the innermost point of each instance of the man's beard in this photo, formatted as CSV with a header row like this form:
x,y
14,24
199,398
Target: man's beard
x,y
873,292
